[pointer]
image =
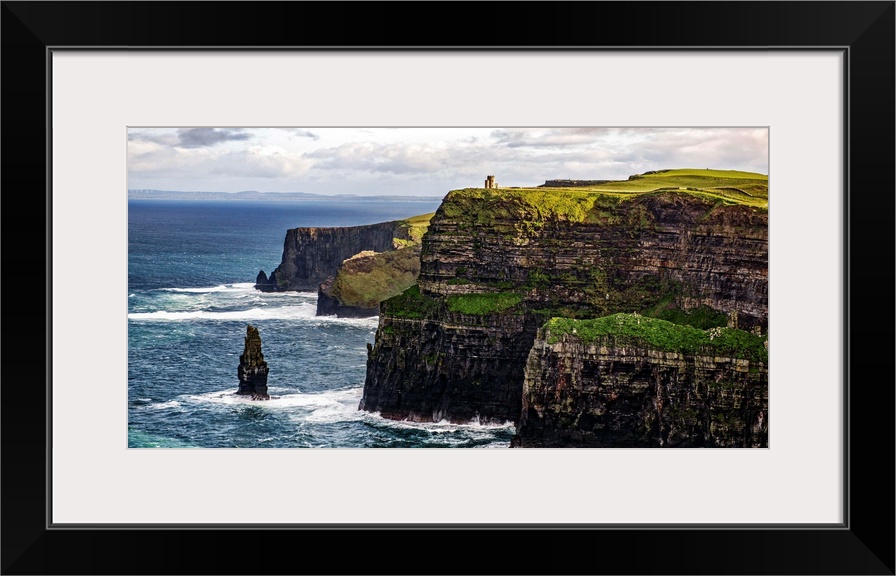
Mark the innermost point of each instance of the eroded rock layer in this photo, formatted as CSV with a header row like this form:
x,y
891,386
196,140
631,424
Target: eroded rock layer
x,y
623,395
618,257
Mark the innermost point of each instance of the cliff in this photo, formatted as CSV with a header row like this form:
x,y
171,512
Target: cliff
x,y
687,246
310,255
631,381
366,279
437,359
595,255
353,268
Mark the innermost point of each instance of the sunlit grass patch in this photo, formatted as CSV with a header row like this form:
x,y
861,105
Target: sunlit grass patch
x,y
634,329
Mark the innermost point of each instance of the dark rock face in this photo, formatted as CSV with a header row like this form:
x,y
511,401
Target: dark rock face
x,y
310,255
455,367
328,305
603,395
668,249
253,370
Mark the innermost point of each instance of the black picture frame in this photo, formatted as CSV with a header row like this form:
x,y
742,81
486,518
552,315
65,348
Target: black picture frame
x,y
864,544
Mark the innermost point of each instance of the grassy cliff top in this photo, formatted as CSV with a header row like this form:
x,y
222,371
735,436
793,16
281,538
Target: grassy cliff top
x,y
747,188
368,278
576,204
415,226
365,280
661,335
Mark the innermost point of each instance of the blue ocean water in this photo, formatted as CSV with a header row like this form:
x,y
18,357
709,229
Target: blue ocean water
x,y
191,270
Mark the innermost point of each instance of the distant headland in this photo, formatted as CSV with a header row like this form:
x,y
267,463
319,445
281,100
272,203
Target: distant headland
x,y
251,195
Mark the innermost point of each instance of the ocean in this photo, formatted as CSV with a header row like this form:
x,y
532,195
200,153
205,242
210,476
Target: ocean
x,y
191,270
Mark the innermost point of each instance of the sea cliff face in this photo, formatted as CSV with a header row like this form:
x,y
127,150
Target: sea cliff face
x,y
310,255
437,364
670,249
497,264
621,391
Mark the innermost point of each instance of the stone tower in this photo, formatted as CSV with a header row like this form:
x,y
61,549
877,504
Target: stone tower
x,y
490,182
253,370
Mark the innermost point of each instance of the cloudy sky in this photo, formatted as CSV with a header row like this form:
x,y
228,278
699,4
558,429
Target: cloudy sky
x,y
422,161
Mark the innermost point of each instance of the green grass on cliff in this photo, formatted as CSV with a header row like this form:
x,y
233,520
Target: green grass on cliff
x,y
596,203
703,317
412,304
662,335
482,304
482,207
741,185
731,186
368,280
416,227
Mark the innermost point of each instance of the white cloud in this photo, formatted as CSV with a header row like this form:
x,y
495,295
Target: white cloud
x,y
411,160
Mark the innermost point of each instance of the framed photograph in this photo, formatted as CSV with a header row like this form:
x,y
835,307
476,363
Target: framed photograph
x,y
100,114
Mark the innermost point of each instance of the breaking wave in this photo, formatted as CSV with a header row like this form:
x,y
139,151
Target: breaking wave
x,y
236,302
301,311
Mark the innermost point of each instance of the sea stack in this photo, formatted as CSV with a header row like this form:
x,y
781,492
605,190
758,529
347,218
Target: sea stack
x,y
253,370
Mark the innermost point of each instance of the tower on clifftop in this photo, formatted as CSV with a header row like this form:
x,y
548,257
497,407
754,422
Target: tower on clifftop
x,y
490,182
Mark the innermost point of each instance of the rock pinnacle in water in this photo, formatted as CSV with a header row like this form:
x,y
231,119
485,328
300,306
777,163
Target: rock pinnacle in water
x,y
253,370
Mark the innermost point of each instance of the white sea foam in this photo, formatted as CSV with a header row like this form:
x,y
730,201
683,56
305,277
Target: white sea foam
x,y
440,427
164,405
231,398
317,407
304,312
337,406
311,295
268,313
284,400
240,302
242,288
220,397
236,287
